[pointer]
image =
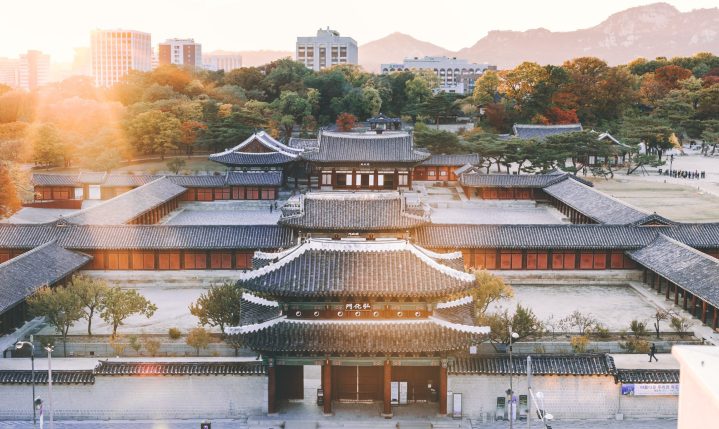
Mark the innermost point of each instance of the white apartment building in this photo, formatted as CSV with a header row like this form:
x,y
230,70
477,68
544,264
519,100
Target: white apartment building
x,y
116,52
28,72
327,49
183,52
455,75
226,61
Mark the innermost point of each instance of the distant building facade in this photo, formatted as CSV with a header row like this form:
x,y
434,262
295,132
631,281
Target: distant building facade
x,y
116,52
327,49
455,75
28,72
226,61
183,52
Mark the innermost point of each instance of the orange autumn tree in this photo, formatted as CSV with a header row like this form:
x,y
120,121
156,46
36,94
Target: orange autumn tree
x,y
346,121
189,132
9,201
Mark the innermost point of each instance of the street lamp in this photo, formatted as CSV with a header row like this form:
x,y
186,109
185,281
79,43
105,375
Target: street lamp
x,y
512,335
19,345
49,385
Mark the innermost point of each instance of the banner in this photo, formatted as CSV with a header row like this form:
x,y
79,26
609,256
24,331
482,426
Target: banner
x,y
666,389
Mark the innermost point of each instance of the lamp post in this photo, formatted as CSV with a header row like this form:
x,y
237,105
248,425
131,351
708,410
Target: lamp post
x,y
512,335
541,412
49,385
19,345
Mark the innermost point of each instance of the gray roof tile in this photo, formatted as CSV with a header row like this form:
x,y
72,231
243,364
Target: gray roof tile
x,y
370,147
114,368
452,160
549,364
21,276
58,377
534,131
254,178
41,179
647,376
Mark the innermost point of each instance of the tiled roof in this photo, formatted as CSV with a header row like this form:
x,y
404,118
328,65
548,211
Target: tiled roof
x,y
214,181
369,147
44,265
113,368
278,154
90,237
346,336
298,143
254,309
647,376
128,206
533,131
254,178
594,204
549,364
352,212
534,236
462,314
39,179
510,180
91,178
127,180
699,235
328,268
251,159
689,268
58,377
452,160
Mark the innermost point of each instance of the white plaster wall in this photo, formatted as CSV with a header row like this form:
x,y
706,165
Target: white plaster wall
x,y
575,397
644,407
119,397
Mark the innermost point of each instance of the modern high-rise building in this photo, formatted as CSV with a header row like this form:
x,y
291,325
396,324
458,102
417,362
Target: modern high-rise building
x,y
327,49
82,62
9,71
33,70
116,52
182,52
455,75
226,61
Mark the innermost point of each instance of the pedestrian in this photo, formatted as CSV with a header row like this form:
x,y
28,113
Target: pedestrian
x,y
270,207
652,353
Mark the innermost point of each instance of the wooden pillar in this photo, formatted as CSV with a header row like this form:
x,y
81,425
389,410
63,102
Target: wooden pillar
x,y
327,387
386,405
271,387
704,312
694,306
443,387
715,318
669,286
676,294
684,296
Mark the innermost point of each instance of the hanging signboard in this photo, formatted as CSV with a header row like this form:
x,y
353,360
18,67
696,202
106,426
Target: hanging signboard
x,y
660,389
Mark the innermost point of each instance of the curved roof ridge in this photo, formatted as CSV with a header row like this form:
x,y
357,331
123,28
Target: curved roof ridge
x,y
265,138
460,327
244,329
250,297
455,302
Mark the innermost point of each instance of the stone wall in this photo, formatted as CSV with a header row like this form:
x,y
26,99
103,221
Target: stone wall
x,y
566,397
122,397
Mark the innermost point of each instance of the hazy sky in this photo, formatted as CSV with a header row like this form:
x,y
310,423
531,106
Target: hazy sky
x,y
58,26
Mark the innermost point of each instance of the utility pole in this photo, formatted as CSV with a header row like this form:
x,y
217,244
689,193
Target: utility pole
x,y
49,386
529,388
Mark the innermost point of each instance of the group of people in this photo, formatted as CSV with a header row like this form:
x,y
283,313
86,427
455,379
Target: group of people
x,y
683,174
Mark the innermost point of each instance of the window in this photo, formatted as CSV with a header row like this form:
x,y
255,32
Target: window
x,y
195,261
244,260
342,180
563,260
253,193
510,260
358,180
222,193
403,179
79,193
169,260
220,260
143,260
431,173
537,260
348,179
327,178
238,193
268,193
204,194
380,180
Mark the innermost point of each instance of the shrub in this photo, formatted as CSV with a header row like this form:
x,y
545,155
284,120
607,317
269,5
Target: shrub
x,y
601,331
198,338
174,333
635,345
117,345
579,343
135,343
680,325
152,346
639,329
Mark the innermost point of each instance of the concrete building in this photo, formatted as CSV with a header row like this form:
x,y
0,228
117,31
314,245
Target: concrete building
x,y
9,71
327,49
226,61
34,70
455,75
28,72
180,52
699,391
116,52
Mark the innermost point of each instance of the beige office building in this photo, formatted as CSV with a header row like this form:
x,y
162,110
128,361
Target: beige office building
x,y
116,52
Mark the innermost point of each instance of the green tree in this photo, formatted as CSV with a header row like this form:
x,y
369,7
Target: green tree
x,y
154,132
523,322
488,289
91,293
219,306
436,141
176,164
486,88
441,105
9,200
291,110
61,308
47,145
198,338
120,304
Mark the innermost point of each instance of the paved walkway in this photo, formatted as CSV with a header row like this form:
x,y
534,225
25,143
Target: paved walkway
x,y
235,424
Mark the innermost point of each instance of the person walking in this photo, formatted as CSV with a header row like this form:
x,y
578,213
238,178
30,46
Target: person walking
x,y
652,353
